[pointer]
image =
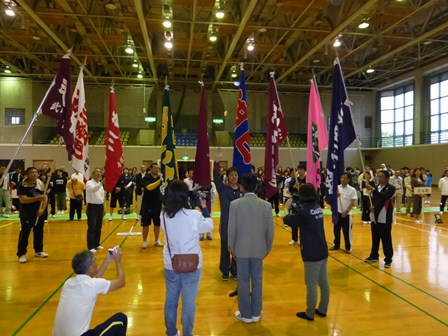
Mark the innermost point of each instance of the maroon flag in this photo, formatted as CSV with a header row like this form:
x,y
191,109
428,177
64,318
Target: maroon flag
x,y
275,133
114,152
201,175
58,103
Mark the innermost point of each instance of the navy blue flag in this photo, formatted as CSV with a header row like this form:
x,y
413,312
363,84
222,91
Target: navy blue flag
x,y
341,135
241,150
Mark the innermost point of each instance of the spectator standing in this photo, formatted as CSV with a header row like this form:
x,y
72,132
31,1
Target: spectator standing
x,y
95,210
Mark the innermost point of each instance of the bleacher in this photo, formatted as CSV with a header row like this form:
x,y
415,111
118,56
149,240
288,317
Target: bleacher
x,y
259,140
57,139
123,135
186,139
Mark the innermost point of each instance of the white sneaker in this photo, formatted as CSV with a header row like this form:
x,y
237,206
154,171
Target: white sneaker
x,y
22,259
292,242
99,247
139,217
110,218
7,216
144,244
53,216
158,243
419,221
256,319
242,319
123,217
92,250
441,212
41,254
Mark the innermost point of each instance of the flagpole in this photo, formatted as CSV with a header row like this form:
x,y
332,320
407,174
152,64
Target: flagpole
x,y
45,193
292,159
36,114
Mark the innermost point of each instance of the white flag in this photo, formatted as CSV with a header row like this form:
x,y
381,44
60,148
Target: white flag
x,y
80,160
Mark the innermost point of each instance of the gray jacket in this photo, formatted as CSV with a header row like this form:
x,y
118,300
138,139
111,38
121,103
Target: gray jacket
x,y
251,227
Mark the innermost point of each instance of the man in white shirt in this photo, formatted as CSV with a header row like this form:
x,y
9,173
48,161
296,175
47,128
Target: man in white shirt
x,y
189,179
4,192
346,200
79,296
95,210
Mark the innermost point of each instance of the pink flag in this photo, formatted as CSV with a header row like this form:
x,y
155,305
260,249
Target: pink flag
x,y
80,159
58,103
317,137
276,132
114,152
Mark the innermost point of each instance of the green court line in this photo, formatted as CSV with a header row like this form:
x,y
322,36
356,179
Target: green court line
x,y
38,309
385,288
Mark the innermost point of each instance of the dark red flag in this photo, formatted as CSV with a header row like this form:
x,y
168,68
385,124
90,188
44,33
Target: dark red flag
x,y
114,152
58,103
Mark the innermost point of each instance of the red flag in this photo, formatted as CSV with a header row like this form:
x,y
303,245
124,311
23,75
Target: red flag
x,y
80,160
58,103
317,137
114,152
201,176
276,132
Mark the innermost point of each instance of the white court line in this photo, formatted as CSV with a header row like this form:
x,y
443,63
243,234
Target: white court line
x,y
419,228
2,226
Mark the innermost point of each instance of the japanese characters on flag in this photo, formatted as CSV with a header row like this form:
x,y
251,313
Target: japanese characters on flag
x,y
79,127
114,152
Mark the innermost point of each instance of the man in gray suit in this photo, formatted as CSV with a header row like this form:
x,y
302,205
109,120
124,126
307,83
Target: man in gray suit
x,y
251,232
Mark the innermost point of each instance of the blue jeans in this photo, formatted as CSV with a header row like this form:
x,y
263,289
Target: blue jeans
x,y
187,285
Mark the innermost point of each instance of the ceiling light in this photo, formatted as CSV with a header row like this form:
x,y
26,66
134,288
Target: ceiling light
x,y
220,13
135,64
111,5
7,71
337,43
168,44
10,12
370,70
167,23
250,47
316,61
233,75
213,37
35,37
140,76
364,24
129,50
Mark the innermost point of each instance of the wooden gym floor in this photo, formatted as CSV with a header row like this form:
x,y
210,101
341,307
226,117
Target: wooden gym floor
x,y
411,298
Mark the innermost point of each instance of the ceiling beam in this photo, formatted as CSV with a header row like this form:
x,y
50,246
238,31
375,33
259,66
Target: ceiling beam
x,y
190,43
235,39
144,29
50,32
329,37
400,48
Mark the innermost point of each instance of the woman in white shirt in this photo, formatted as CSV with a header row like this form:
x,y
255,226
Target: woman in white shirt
x,y
181,226
443,187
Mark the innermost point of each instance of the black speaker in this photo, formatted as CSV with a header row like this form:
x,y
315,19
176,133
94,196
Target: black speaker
x,y
368,122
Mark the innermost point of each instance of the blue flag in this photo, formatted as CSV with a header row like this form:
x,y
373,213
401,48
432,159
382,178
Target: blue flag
x,y
341,135
241,150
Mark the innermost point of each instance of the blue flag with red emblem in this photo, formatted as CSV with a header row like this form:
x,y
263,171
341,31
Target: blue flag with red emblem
x,y
241,149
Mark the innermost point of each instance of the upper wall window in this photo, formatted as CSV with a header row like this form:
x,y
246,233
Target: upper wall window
x,y
397,116
14,116
439,108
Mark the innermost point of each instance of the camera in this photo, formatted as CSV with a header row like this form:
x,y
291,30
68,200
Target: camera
x,y
113,250
197,194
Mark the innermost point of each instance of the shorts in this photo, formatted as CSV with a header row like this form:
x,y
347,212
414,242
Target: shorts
x,y
149,214
113,200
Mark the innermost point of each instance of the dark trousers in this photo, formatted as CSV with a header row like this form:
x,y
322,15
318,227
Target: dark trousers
x,y
295,233
52,202
75,206
27,224
250,281
346,225
365,204
113,326
442,202
382,232
274,200
226,263
95,214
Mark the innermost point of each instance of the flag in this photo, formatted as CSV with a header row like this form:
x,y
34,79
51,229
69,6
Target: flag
x,y
58,103
317,137
80,159
168,167
114,152
201,176
275,133
241,150
342,134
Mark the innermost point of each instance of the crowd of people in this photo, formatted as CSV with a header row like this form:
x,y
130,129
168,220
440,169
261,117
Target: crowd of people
x,y
246,230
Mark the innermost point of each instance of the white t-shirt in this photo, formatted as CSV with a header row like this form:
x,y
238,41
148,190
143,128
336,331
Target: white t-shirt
x,y
347,195
76,305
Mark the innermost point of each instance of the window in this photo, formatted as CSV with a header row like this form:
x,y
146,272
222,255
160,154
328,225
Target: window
x,y
14,116
397,116
439,108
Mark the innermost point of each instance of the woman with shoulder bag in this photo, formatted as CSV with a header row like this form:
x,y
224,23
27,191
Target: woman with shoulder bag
x,y
181,226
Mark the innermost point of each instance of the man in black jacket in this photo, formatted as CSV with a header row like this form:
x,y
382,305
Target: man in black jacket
x,y
383,196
